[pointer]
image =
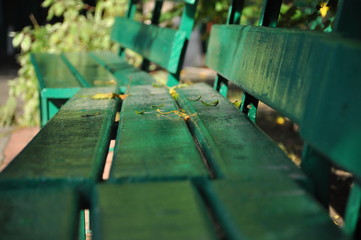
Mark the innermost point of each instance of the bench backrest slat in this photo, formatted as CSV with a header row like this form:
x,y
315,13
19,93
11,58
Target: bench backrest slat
x,y
160,45
56,74
277,65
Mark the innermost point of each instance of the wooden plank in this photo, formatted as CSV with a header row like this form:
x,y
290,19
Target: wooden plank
x,y
162,46
52,72
72,146
150,211
36,214
123,72
233,145
133,77
152,146
87,70
269,63
272,209
110,61
331,123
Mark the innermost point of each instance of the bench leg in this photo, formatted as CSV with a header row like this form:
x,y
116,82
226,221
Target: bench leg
x,y
82,235
353,212
49,107
44,114
221,85
318,168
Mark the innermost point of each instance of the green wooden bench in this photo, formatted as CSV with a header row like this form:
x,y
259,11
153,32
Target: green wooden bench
x,y
186,167
60,76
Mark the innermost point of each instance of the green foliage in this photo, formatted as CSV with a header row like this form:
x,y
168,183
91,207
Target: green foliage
x,y
83,28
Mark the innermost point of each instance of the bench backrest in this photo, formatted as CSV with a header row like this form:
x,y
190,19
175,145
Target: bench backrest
x,y
160,45
313,78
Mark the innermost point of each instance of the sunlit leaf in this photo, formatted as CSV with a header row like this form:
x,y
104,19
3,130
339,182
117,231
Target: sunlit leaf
x,y
213,104
280,120
140,112
105,96
237,103
196,99
123,96
157,106
109,96
324,9
100,82
158,85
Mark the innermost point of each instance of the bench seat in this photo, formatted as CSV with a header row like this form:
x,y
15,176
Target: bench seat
x,y
61,75
171,210
39,213
71,149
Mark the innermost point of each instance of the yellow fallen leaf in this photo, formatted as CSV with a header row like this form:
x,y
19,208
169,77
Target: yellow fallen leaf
x,y
213,104
140,112
280,120
324,9
105,96
109,96
123,96
100,82
181,113
195,99
237,103
156,106
165,113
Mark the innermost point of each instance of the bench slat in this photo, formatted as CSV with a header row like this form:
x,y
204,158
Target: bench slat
x,y
234,145
87,70
110,61
52,72
71,147
272,209
153,146
260,60
162,46
336,109
123,72
39,214
150,211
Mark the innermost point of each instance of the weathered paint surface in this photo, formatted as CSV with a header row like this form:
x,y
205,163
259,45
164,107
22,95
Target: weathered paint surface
x,y
235,147
261,60
34,214
270,209
71,148
153,146
159,45
150,211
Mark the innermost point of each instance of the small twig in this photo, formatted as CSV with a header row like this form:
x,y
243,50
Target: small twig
x,y
33,20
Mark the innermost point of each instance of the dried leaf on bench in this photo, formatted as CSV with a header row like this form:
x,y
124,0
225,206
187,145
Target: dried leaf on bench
x,y
109,96
237,103
100,82
212,104
105,96
140,112
166,113
156,106
181,113
173,92
195,100
158,85
123,96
